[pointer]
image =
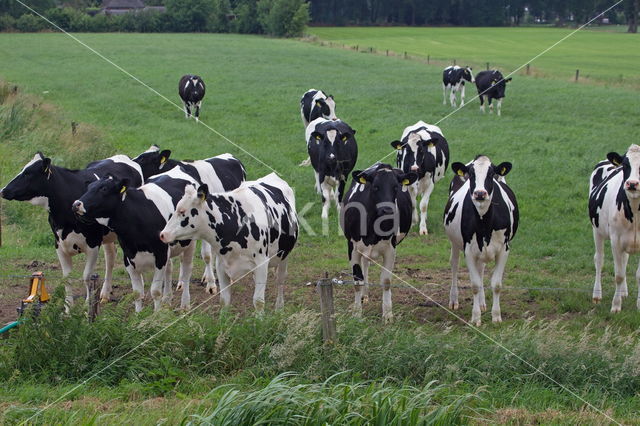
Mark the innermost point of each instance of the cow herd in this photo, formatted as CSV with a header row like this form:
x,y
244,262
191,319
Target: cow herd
x,y
157,207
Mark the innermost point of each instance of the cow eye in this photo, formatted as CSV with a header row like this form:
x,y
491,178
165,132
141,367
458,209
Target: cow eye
x,y
181,212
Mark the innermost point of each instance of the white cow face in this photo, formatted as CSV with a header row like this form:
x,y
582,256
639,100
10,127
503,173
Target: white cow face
x,y
482,176
630,168
188,218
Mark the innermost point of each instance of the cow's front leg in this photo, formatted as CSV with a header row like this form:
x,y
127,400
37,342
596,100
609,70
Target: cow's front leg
x,y
598,260
424,204
281,277
186,268
187,110
167,286
475,276
620,259
364,261
453,293
66,264
499,107
137,284
444,94
109,260
413,192
358,278
462,96
452,96
481,103
326,199
211,286
223,279
483,300
89,268
496,284
197,112
260,275
385,280
158,285
490,105
340,193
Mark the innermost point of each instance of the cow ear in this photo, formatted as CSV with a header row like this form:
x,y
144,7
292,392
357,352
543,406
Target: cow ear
x,y
459,169
615,158
330,96
316,135
397,145
502,169
431,142
46,164
508,80
164,156
408,178
203,190
358,176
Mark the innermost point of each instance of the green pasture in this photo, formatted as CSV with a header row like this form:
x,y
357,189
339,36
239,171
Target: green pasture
x,y
600,56
552,130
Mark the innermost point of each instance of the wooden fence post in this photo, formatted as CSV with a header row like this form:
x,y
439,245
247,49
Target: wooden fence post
x,y
405,54
528,65
387,52
371,50
94,300
577,74
454,62
325,288
487,66
428,58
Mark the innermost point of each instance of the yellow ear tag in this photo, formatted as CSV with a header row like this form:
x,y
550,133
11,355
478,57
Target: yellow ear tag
x,y
405,181
431,144
163,159
344,139
317,103
399,147
362,180
504,169
317,137
124,188
460,173
202,196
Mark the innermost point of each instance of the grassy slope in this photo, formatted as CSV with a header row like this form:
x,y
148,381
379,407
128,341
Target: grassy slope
x,y
551,130
600,56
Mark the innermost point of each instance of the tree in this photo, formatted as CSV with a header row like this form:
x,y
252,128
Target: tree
x,y
631,11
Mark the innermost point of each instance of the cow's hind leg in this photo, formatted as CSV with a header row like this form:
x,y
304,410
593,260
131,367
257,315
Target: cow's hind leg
x,y
137,284
197,112
620,259
453,293
355,259
444,94
260,275
499,107
490,105
452,95
208,278
187,110
598,260
385,280
496,284
109,260
462,96
365,274
481,103
89,268
223,279
186,268
281,277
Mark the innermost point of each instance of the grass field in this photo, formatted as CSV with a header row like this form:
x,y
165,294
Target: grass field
x,y
600,56
552,130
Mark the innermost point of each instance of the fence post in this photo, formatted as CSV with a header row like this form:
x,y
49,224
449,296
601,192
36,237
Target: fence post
x,y
528,65
454,62
487,66
325,288
387,52
357,47
370,49
428,58
405,54
577,74
94,301
74,127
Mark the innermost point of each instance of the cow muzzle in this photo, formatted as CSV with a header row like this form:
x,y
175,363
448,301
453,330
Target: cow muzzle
x,y
632,187
164,237
480,195
78,208
415,168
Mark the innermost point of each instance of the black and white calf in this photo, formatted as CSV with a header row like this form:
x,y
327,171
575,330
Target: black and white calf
x,y
375,218
220,173
480,219
252,228
493,85
137,215
423,150
55,188
316,104
191,90
333,152
614,210
453,78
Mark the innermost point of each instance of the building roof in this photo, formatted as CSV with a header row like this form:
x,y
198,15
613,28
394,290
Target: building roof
x,y
123,4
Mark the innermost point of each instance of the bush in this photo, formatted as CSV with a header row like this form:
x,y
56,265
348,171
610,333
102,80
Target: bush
x,y
29,23
283,18
7,23
246,21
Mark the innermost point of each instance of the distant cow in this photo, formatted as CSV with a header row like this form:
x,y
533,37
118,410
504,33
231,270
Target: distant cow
x,y
333,152
55,188
614,202
137,215
375,218
480,219
191,90
492,85
252,228
220,173
316,104
453,78
425,151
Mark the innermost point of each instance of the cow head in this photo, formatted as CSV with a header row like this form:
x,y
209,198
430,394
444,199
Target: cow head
x,y
153,161
326,107
467,74
482,176
102,198
189,216
499,84
630,164
414,152
330,139
31,183
384,184
197,87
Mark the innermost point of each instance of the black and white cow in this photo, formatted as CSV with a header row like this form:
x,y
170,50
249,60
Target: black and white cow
x,y
614,210
316,104
423,150
375,218
453,78
191,90
480,219
55,188
253,227
333,152
493,85
220,173
137,214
